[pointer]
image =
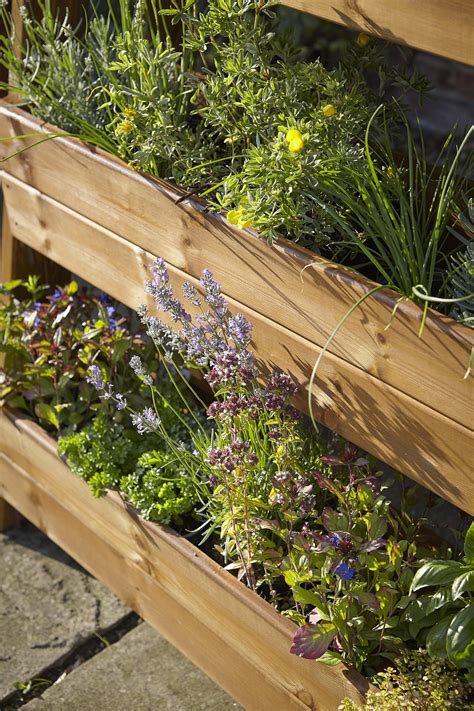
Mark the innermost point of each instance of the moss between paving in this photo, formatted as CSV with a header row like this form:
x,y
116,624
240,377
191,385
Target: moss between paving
x,y
47,604
141,672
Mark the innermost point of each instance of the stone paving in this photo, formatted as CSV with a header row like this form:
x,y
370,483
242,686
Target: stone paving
x,y
49,605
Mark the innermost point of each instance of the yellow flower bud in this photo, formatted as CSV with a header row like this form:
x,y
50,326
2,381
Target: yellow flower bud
x,y
297,144
292,134
329,110
362,39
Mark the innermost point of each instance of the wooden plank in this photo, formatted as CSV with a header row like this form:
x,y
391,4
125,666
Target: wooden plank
x,y
268,280
231,633
422,444
443,27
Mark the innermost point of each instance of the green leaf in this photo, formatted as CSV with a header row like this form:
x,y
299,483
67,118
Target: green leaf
x,y
439,599
463,583
305,597
436,638
436,572
10,285
460,638
46,412
469,544
331,658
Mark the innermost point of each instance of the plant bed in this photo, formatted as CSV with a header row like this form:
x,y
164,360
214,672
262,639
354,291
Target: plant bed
x,y
400,397
223,627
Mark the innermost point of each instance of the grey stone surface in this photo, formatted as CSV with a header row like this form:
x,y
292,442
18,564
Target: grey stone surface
x,y
47,604
141,672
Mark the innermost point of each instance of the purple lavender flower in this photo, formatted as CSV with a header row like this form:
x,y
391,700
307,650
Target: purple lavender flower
x,y
212,295
162,293
190,292
95,377
146,421
344,571
240,330
120,401
139,369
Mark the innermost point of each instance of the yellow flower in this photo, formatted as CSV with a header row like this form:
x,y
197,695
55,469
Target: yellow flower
x,y
292,134
129,112
329,110
233,216
124,128
236,217
296,145
362,39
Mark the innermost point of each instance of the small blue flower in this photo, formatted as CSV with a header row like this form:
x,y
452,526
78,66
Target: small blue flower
x,y
57,295
334,539
345,571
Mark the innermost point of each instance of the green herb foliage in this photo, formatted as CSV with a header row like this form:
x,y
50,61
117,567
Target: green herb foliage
x,y
160,488
50,339
416,683
442,617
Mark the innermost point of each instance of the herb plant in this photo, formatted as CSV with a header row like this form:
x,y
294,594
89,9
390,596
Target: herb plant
x,y
416,683
49,340
442,616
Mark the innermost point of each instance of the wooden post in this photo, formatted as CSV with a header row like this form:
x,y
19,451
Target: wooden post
x,y
9,517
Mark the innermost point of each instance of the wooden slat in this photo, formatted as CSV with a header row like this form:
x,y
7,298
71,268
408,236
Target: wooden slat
x,y
270,281
443,27
236,637
435,451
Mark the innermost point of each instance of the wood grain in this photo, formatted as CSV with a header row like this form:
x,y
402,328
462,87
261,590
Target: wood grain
x,y
443,27
424,445
236,637
268,280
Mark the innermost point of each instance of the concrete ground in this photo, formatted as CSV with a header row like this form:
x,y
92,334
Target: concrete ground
x,y
71,644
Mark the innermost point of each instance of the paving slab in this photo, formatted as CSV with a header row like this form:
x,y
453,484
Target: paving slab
x,y
141,672
48,604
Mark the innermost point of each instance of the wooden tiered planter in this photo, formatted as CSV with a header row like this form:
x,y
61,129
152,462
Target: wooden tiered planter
x,y
231,633
400,397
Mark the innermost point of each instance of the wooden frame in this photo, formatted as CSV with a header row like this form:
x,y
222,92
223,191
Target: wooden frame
x,y
222,626
402,398
442,27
